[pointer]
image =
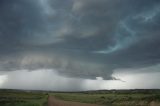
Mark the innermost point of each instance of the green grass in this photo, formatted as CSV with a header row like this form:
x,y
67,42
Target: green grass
x,y
21,98
116,98
106,98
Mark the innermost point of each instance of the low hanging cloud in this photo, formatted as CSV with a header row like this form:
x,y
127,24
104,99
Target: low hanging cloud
x,y
46,79
79,38
39,80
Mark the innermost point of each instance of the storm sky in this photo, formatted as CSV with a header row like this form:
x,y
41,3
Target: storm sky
x,y
81,44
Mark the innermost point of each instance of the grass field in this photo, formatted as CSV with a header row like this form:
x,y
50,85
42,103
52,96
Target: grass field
x,y
106,98
117,98
22,98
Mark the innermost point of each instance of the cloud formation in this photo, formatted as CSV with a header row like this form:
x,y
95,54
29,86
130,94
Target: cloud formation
x,y
47,80
79,38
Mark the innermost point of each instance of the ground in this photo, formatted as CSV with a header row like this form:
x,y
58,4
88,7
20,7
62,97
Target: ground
x,y
52,101
88,98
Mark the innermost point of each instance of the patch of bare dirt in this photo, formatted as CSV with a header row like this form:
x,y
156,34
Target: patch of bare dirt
x,y
52,101
154,103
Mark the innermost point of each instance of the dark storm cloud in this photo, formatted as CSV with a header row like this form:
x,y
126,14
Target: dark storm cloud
x,y
79,38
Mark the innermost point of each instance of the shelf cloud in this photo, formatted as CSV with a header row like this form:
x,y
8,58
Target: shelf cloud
x,y
79,38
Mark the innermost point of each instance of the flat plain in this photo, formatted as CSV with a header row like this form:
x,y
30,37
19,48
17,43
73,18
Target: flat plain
x,y
114,97
87,98
22,98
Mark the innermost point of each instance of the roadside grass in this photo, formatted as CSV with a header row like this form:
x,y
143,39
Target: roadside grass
x,y
110,98
21,98
106,98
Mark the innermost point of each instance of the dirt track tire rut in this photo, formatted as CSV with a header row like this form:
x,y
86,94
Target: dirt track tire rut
x,y
52,101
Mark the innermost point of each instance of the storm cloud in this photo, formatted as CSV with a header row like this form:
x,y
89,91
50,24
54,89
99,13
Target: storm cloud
x,y
79,38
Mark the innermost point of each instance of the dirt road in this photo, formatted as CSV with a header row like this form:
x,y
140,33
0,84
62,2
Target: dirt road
x,y
52,101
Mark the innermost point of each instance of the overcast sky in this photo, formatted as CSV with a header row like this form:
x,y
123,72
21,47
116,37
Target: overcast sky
x,y
79,44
